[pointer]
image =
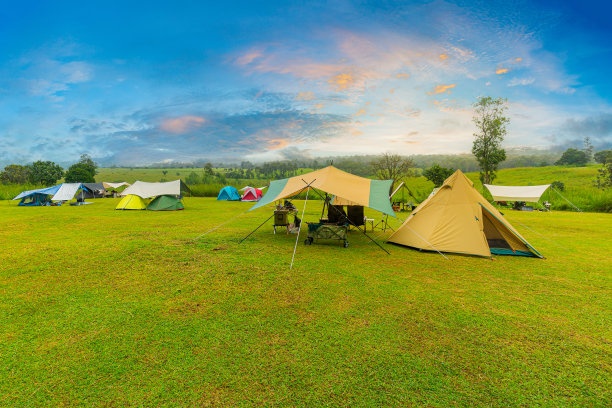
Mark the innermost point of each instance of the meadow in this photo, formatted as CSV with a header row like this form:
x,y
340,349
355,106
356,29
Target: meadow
x,y
124,308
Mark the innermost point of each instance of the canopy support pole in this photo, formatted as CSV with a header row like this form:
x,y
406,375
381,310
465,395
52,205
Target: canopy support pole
x,y
567,200
299,229
363,232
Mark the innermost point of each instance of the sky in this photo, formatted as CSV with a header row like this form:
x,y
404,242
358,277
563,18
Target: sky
x,y
135,82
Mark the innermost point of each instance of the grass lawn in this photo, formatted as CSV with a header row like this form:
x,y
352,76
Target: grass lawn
x,y
119,308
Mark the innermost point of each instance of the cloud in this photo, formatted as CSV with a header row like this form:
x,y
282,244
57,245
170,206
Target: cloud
x,y
441,89
182,124
305,96
501,71
521,81
402,76
342,82
443,57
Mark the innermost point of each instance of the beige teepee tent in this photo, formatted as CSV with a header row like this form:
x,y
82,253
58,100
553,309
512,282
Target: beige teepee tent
x,y
457,218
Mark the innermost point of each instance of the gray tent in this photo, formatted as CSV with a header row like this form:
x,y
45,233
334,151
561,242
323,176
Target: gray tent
x,y
96,190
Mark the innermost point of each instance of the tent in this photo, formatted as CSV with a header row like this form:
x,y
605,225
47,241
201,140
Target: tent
x,y
165,203
252,194
67,191
115,186
517,193
361,191
148,190
94,190
247,187
37,197
131,202
457,218
228,193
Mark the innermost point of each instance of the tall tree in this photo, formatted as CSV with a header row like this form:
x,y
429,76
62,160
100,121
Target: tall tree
x,y
588,148
46,173
392,167
15,174
490,132
573,157
84,171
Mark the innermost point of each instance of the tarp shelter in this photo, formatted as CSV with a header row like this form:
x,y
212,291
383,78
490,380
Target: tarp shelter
x,y
67,191
247,187
252,194
228,193
114,186
530,194
94,190
361,191
37,197
147,190
131,202
457,218
165,203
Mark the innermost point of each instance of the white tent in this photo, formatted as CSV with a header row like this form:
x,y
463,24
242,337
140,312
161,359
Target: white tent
x,y
114,185
249,187
67,191
517,193
146,190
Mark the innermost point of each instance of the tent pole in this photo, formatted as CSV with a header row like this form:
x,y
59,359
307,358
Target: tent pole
x,y
356,226
299,229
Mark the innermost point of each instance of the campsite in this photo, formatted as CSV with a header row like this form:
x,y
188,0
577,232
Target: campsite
x,y
130,298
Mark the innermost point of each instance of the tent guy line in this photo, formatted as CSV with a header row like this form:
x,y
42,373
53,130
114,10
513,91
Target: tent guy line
x,y
299,229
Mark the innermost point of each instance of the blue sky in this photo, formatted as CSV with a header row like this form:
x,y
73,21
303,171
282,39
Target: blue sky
x,y
140,82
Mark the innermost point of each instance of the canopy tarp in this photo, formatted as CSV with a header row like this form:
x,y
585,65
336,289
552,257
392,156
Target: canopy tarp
x,y
359,190
114,185
517,193
46,190
146,190
247,187
457,218
67,191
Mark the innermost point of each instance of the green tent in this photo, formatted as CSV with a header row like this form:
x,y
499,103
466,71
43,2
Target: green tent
x,y
165,203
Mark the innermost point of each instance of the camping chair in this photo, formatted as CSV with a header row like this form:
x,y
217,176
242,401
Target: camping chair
x,y
355,215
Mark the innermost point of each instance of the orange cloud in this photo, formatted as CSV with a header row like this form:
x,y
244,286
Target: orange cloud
x,y
182,124
443,57
501,71
392,90
249,57
277,144
518,59
360,112
342,81
305,96
318,106
357,132
403,76
441,89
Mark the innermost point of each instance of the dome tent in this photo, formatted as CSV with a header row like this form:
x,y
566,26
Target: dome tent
x,y
252,194
228,193
165,203
131,202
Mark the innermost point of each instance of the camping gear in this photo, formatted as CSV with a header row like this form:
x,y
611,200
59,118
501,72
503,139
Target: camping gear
x,y
530,194
115,186
252,194
281,218
67,191
355,215
228,193
318,230
37,197
361,191
131,202
94,190
457,218
148,190
165,203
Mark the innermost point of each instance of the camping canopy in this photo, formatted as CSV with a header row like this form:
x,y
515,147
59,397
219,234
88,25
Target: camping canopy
x,y
361,191
252,194
517,193
131,202
228,193
67,191
46,191
165,203
146,190
114,185
457,218
94,190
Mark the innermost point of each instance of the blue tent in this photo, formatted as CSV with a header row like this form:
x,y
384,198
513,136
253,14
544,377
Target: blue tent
x,y
228,193
40,196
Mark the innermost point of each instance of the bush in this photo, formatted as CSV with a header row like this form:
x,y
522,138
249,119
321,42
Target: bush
x,y
558,185
573,157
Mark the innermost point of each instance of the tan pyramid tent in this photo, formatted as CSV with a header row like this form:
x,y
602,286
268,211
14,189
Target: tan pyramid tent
x,y
457,218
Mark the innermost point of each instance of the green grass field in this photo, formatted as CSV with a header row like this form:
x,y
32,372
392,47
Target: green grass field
x,y
109,308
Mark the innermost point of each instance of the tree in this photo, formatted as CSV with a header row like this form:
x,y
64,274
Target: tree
x,y
573,157
15,174
490,132
84,171
604,178
208,169
437,174
603,157
392,167
46,173
588,148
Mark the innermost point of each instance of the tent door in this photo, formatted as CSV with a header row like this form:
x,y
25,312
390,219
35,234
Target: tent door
x,y
494,237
